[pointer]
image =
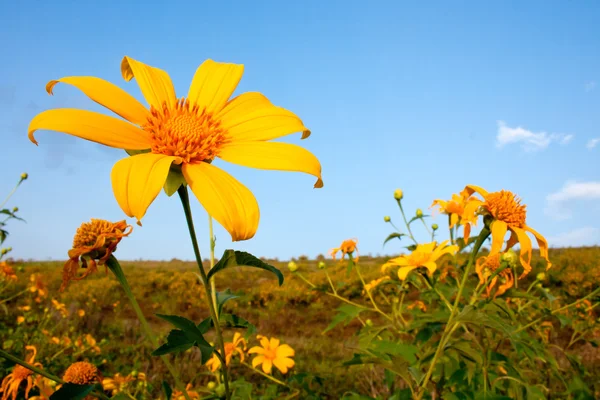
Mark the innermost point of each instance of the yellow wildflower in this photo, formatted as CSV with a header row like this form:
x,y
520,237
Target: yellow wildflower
x,y
374,283
178,395
11,383
20,319
417,304
237,346
425,255
117,383
455,209
81,313
45,386
83,373
486,266
347,247
95,240
7,272
185,135
509,215
38,287
272,353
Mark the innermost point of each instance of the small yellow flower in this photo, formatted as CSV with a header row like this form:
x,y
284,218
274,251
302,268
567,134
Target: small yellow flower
x,y
292,266
509,215
45,386
117,383
398,194
7,272
11,383
20,319
95,240
24,308
455,209
38,287
347,247
486,266
425,255
81,313
417,304
374,283
185,134
272,353
237,346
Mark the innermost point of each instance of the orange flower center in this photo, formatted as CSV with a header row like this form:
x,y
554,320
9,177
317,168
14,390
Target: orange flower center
x,y
493,262
505,206
454,208
185,132
81,373
88,232
21,373
348,246
270,354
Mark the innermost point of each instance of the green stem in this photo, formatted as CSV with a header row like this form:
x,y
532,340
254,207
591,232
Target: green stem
x,y
213,289
185,201
451,229
426,227
451,326
113,264
11,193
406,222
13,296
41,372
371,296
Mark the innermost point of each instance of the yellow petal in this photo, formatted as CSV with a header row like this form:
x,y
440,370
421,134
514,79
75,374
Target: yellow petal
x,y
499,229
431,266
267,366
108,95
256,349
92,126
274,343
470,189
467,232
284,351
213,84
543,244
155,84
251,116
525,253
258,360
453,219
281,364
403,272
137,180
224,198
274,156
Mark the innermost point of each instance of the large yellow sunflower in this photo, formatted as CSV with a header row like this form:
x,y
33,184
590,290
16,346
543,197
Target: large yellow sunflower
x,y
508,215
184,135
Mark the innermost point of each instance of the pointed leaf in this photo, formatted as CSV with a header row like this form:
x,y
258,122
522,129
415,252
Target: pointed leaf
x,y
223,297
393,236
174,180
71,391
167,390
236,258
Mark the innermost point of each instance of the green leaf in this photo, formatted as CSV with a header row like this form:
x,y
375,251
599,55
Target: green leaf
x,y
393,236
11,214
473,316
71,391
185,337
469,351
223,297
167,390
357,359
236,258
406,351
346,313
228,321
174,180
3,235
412,247
136,152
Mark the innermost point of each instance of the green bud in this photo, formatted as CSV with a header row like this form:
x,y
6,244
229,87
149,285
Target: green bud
x,y
292,266
419,213
15,209
368,322
220,390
541,277
4,251
211,385
24,176
322,265
8,249
434,227
511,258
398,195
387,218
395,300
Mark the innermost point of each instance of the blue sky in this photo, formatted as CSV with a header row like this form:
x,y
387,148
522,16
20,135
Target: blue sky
x,y
427,98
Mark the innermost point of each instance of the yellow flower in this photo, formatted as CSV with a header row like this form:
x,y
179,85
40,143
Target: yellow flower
x,y
45,386
178,395
38,287
509,215
81,313
485,267
417,304
374,283
425,255
237,346
83,373
11,383
7,272
20,319
117,383
95,240
455,208
272,353
183,136
347,247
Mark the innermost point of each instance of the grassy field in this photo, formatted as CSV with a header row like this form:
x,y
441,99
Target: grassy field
x,y
93,321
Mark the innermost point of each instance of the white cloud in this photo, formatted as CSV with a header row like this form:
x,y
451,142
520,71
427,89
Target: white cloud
x,y
592,143
589,86
557,203
587,236
530,141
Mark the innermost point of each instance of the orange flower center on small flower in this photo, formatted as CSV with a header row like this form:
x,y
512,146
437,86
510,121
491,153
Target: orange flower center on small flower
x,y
88,232
348,246
186,132
493,262
505,206
454,208
81,373
21,373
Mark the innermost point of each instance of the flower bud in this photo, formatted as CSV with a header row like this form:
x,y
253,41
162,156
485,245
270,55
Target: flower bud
x,y
3,251
211,385
24,176
387,218
511,258
398,195
419,213
541,277
434,227
220,390
292,266
368,322
8,249
322,265
15,209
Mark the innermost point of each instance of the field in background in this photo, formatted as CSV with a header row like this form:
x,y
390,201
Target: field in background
x,y
97,323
